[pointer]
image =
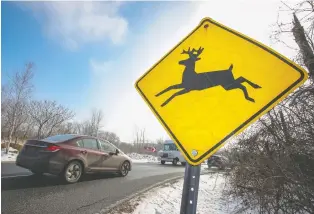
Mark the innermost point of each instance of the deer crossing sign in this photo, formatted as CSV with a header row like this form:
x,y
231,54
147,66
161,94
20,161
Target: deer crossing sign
x,y
214,84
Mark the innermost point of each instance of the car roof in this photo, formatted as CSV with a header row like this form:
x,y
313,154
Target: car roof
x,y
66,137
62,137
168,142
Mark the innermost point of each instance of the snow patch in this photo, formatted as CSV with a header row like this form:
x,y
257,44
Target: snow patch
x,y
11,156
167,199
142,158
145,158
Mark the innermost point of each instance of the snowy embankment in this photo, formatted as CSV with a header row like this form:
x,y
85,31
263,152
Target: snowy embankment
x,y
142,158
11,156
145,158
167,198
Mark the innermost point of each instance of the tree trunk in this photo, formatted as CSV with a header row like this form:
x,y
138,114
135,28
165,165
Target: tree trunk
x,y
39,131
305,48
11,134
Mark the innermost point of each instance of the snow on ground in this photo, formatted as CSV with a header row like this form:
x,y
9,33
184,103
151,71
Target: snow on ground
x,y
145,158
167,199
11,156
142,158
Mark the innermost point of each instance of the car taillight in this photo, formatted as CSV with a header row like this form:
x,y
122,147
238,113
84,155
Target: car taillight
x,y
53,148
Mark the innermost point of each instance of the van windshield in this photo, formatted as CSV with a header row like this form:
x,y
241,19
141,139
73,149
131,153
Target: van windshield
x,y
170,147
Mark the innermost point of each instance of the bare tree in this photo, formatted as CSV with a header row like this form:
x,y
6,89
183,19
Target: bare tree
x,y
139,138
66,128
96,121
274,162
48,116
274,165
27,128
301,29
77,128
159,143
15,99
93,125
110,136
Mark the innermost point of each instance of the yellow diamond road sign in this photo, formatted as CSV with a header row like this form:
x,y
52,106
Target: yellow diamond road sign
x,y
214,84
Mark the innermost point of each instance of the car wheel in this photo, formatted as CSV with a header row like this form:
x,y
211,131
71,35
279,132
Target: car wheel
x,y
175,161
124,169
162,162
72,172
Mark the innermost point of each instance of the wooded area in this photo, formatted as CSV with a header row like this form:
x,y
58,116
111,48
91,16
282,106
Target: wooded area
x,y
23,117
274,159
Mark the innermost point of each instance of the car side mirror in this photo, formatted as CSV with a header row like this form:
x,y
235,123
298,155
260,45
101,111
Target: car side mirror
x,y
114,153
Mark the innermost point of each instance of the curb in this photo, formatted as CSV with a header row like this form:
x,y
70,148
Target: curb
x,y
7,161
120,202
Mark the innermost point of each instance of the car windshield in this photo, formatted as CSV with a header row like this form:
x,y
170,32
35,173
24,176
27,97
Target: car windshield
x,y
170,147
59,138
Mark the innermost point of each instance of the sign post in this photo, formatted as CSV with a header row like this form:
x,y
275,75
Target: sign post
x,y
190,189
211,86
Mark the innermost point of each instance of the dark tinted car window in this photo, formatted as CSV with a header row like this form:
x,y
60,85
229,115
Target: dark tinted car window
x,y
90,144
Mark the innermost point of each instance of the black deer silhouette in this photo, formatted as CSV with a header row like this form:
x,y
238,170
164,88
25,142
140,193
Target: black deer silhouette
x,y
192,81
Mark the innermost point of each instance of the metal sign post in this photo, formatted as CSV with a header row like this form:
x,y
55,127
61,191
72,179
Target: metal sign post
x,y
190,189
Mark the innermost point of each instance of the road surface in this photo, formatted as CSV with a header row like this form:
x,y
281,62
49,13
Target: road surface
x,y
23,193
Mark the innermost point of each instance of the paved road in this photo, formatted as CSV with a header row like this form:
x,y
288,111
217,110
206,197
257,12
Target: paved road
x,y
23,193
10,169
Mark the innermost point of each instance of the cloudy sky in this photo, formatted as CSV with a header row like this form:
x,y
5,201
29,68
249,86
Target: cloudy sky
x,y
89,54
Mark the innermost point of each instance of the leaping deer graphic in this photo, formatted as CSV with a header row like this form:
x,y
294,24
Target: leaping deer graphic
x,y
192,81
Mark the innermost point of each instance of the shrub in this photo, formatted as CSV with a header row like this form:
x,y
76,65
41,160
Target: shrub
x,y
274,164
17,146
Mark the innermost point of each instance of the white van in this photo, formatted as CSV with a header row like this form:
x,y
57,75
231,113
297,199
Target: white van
x,y
170,153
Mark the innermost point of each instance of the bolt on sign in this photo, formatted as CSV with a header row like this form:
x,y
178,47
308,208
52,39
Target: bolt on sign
x,y
214,84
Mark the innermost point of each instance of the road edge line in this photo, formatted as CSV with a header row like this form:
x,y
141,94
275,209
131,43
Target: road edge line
x,y
9,161
140,192
15,176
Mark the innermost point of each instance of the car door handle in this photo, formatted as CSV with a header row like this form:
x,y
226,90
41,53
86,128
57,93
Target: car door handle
x,y
84,152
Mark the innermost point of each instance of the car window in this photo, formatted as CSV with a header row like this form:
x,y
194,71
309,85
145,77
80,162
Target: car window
x,y
106,146
90,144
80,143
